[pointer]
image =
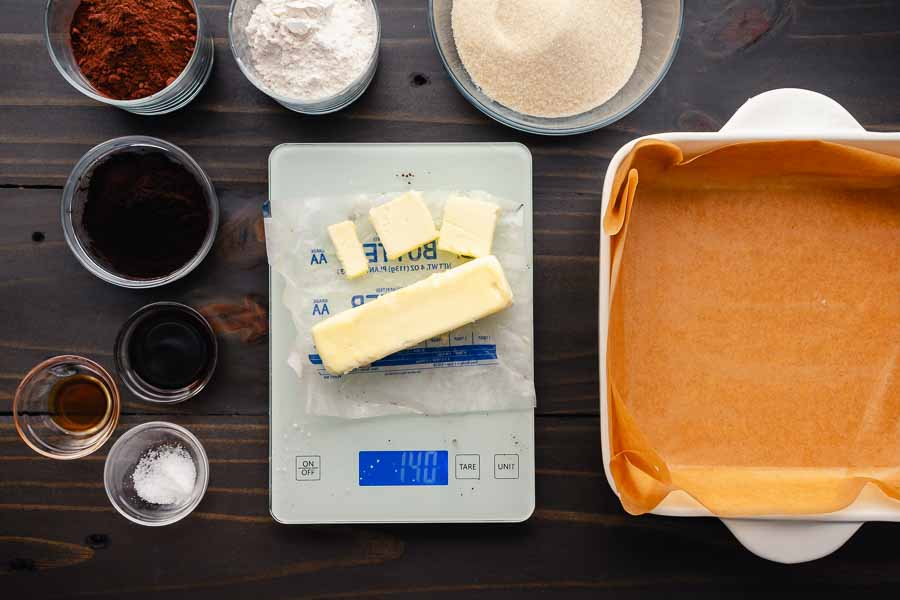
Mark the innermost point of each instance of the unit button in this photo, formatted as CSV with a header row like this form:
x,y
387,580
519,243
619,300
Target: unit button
x,y
309,468
506,466
468,466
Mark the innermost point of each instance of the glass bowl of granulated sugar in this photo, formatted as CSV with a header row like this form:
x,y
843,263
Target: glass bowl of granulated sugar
x,y
311,56
556,68
156,473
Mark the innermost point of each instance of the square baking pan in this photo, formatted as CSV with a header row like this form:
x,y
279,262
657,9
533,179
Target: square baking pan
x,y
777,115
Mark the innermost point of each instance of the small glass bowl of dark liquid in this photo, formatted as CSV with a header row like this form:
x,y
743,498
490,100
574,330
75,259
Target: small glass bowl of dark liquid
x,y
166,352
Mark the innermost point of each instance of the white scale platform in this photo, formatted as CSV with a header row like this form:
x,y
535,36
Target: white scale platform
x,y
314,462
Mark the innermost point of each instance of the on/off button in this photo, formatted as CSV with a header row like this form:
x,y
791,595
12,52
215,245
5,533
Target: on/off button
x,y
309,468
506,466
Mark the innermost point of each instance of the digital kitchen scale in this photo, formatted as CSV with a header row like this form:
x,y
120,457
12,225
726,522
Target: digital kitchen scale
x,y
476,467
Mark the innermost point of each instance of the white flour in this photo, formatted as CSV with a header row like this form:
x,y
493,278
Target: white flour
x,y
310,50
548,58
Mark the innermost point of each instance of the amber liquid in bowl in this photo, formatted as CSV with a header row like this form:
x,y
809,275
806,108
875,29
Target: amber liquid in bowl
x,y
80,404
66,407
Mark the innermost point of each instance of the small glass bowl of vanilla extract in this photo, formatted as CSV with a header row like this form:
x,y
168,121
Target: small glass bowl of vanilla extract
x,y
166,352
66,407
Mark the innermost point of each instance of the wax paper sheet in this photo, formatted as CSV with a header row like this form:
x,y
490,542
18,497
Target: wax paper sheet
x,y
754,329
486,366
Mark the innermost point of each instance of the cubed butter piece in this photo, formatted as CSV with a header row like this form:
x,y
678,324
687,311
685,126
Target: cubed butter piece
x,y
468,226
349,250
408,316
403,224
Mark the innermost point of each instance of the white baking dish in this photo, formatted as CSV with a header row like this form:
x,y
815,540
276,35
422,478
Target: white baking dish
x,y
785,114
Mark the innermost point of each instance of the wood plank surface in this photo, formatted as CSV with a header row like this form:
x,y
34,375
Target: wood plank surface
x,y
65,539
59,536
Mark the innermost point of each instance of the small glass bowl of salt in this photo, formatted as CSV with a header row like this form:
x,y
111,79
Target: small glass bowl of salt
x,y
156,473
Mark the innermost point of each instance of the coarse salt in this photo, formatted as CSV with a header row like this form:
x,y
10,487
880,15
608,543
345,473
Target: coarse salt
x,y
548,58
165,475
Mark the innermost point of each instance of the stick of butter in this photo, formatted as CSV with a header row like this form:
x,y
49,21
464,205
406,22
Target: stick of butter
x,y
349,250
408,316
468,226
403,224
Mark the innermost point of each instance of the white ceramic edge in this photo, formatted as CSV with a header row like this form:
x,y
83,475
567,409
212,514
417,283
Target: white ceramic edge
x,y
775,115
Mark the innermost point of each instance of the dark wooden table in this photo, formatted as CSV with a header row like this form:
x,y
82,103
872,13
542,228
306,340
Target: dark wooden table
x,y
59,536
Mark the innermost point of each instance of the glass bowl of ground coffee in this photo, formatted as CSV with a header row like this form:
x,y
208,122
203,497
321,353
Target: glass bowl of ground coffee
x,y
139,212
148,57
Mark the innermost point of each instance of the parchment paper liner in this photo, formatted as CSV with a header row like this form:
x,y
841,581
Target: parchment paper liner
x,y
754,331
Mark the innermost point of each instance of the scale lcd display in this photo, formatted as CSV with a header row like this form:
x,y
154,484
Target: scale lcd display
x,y
402,467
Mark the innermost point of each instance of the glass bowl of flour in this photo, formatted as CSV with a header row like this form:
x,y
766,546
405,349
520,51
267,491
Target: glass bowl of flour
x,y
311,56
556,68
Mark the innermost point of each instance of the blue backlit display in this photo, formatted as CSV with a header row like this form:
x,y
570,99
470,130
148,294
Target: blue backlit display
x,y
403,467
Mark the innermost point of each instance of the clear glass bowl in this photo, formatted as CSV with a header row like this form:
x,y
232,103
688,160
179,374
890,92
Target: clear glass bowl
x,y
32,412
57,24
75,195
124,456
135,382
661,34
238,17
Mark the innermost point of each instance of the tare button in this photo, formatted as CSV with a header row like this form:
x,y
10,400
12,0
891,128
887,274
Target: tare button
x,y
506,466
468,466
309,468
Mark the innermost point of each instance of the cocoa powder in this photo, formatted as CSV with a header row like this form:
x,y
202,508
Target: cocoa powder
x,y
130,49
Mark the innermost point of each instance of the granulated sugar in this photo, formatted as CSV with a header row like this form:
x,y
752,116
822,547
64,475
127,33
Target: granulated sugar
x,y
548,58
165,475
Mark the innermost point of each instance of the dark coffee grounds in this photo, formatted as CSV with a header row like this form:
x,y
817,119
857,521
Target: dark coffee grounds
x,y
130,49
145,215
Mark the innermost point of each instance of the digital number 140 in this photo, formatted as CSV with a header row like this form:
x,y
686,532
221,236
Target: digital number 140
x,y
418,467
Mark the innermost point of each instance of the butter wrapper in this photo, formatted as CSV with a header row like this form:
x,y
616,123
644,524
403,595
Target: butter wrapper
x,y
485,366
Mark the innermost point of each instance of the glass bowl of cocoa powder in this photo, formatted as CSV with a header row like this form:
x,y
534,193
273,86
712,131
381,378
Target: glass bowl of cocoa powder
x,y
139,212
149,57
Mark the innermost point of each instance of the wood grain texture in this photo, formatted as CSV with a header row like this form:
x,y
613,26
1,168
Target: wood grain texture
x,y
59,536
58,525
